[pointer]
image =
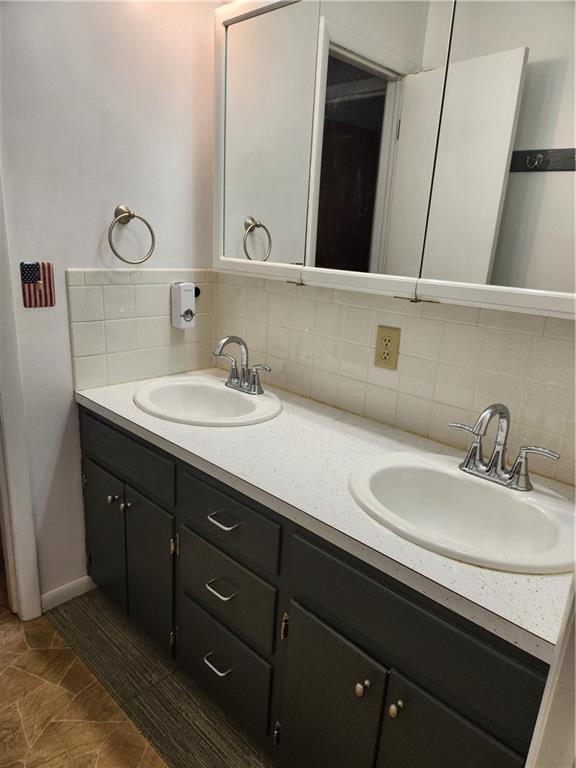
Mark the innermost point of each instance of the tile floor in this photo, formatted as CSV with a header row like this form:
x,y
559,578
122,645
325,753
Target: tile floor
x,y
53,711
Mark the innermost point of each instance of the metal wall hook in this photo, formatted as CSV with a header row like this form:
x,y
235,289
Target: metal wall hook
x,y
123,215
536,162
250,224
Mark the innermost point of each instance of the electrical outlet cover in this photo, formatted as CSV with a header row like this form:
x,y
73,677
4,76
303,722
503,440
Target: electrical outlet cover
x,y
387,347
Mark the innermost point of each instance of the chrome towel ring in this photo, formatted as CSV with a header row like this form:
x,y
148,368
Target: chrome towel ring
x,y
250,224
122,215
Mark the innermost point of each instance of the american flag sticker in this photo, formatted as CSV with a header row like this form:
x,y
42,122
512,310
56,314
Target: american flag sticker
x,y
37,284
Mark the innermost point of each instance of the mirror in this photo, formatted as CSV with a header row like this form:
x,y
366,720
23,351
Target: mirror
x,y
427,143
502,205
331,122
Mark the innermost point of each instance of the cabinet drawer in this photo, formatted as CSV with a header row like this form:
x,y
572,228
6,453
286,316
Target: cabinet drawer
x,y
235,677
130,460
233,526
441,656
427,734
240,598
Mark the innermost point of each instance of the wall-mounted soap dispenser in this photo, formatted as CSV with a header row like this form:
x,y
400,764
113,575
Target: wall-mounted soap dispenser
x,y
183,296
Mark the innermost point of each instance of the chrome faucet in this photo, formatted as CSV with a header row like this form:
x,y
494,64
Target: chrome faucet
x,y
494,469
248,380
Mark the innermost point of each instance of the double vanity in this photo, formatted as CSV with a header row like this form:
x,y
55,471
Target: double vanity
x,y
280,563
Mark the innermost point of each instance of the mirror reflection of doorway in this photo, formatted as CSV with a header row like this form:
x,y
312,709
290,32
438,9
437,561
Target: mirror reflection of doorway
x,y
352,138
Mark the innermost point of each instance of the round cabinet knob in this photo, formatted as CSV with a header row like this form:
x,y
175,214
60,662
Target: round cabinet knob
x,y
112,498
394,709
124,507
361,688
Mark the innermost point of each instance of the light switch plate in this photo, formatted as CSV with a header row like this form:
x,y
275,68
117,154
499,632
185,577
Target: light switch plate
x,y
387,347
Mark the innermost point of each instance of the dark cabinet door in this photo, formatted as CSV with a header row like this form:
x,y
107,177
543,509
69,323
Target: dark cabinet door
x,y
105,532
149,530
421,732
333,698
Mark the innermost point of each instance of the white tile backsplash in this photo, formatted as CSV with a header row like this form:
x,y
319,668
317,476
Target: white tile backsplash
x,y
455,385
120,327
120,334
88,339
85,303
357,325
118,301
152,332
417,376
106,276
380,403
152,300
329,320
453,360
90,371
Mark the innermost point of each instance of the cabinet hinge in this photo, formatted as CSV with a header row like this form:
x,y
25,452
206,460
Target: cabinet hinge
x,y
173,637
276,733
175,545
284,626
84,480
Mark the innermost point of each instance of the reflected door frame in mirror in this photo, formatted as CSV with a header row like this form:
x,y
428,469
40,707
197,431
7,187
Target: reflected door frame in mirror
x,y
372,283
349,46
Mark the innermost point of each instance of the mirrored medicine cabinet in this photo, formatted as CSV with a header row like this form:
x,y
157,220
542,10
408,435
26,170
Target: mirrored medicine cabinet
x,y
419,149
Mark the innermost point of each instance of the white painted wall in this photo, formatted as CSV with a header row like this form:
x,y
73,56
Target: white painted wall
x,y
536,244
102,103
16,520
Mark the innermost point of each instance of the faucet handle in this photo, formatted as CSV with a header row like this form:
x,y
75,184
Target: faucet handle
x,y
233,374
525,450
254,386
463,428
474,459
519,477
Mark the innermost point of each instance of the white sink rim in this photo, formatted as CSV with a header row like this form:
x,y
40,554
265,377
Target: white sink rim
x,y
252,409
556,509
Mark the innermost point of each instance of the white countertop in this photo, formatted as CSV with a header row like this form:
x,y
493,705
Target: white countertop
x,y
302,459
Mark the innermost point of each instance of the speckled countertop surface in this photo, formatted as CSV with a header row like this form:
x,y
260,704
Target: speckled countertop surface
x,y
303,457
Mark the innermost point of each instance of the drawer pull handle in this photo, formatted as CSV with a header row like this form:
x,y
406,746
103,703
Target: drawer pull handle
x,y
112,498
211,517
213,668
395,709
219,595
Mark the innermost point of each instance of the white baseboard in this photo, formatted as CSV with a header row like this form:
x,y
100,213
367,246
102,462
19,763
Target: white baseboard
x,y
66,592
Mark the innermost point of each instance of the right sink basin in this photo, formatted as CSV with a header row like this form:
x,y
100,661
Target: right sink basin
x,y
426,499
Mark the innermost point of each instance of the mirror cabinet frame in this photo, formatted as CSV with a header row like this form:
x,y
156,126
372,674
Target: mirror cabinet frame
x,y
508,298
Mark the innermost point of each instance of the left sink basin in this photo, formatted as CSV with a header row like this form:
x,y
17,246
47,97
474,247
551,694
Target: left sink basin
x,y
205,401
